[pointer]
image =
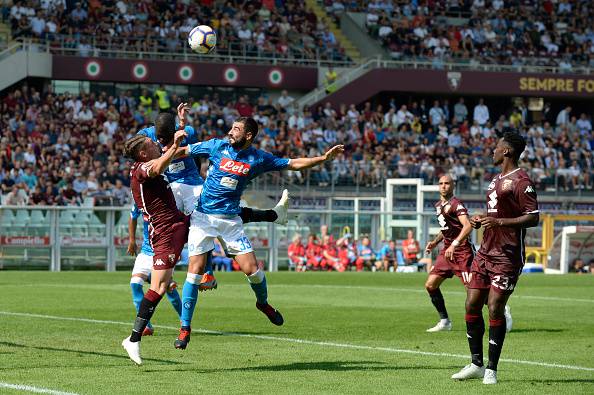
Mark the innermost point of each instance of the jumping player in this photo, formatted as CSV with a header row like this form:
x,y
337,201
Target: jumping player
x,y
233,164
168,227
186,184
457,253
142,267
512,207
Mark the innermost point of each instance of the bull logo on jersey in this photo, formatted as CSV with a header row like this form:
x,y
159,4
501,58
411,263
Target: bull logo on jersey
x,y
238,168
171,258
507,184
454,80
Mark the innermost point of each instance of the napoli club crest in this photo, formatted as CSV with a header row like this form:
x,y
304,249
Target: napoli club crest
x,y
454,80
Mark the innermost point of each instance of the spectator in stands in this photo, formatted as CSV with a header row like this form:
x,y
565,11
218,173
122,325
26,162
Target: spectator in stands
x,y
330,78
17,196
411,248
564,116
296,253
285,100
162,98
481,113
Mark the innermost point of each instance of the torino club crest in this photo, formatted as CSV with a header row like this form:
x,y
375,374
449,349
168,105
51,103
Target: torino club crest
x,y
454,80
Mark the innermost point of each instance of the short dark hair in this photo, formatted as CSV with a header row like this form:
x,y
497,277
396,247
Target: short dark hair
x,y
165,126
249,125
516,142
133,145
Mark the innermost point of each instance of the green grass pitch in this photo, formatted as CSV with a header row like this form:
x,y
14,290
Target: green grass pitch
x,y
344,333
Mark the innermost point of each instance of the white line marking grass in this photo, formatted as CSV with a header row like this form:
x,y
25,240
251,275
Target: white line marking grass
x,y
358,287
38,390
304,341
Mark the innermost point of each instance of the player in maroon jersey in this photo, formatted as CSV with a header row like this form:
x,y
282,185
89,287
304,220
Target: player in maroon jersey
x,y
511,208
457,253
168,227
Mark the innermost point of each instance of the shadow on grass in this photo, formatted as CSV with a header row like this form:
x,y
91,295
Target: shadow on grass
x,y
328,366
84,352
536,330
560,381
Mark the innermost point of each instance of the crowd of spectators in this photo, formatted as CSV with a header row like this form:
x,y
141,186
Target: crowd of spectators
x,y
268,28
556,33
323,252
67,148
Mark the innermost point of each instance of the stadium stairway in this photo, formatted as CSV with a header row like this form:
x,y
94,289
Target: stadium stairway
x,y
349,48
5,35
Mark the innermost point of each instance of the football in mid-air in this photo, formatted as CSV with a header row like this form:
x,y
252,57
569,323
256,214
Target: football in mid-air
x,y
202,39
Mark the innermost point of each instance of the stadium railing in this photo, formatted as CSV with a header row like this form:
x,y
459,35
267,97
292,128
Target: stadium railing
x,y
236,53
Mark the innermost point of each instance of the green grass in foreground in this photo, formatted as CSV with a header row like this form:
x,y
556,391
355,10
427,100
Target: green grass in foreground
x,y
384,312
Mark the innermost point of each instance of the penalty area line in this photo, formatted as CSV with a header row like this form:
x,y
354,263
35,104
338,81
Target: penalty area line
x,y
29,388
303,341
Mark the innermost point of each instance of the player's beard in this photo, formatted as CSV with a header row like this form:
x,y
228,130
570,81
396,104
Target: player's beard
x,y
238,143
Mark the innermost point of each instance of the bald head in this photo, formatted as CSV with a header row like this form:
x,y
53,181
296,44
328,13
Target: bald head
x,y
446,186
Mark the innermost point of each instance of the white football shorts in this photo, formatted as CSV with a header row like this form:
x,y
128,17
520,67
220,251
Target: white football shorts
x,y
204,228
186,196
143,264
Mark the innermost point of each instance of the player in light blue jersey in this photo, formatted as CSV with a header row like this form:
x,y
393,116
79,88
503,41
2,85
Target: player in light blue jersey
x,y
142,267
233,163
186,184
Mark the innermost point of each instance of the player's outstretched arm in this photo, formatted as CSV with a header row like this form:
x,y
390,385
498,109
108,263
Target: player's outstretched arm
x,y
306,163
159,165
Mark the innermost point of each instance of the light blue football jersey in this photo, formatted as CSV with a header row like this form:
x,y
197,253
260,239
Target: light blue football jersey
x,y
229,173
146,248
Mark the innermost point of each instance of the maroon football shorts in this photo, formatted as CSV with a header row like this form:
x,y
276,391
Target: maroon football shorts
x,y
169,244
500,276
459,266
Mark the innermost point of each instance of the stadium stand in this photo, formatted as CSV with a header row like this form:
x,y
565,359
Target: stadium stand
x,y
62,149
265,29
538,33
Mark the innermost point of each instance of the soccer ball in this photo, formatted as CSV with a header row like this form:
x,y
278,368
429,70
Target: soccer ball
x,y
202,39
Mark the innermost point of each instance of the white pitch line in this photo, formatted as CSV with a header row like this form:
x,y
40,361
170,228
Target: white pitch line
x,y
359,287
304,341
38,390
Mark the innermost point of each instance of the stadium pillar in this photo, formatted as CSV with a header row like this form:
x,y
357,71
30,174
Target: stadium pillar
x,y
55,263
272,249
109,234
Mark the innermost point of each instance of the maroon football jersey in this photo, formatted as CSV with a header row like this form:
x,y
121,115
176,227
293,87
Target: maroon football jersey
x,y
154,198
508,196
447,216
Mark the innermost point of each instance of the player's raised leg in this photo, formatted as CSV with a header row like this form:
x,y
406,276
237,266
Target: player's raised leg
x,y
160,280
432,286
278,214
475,329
